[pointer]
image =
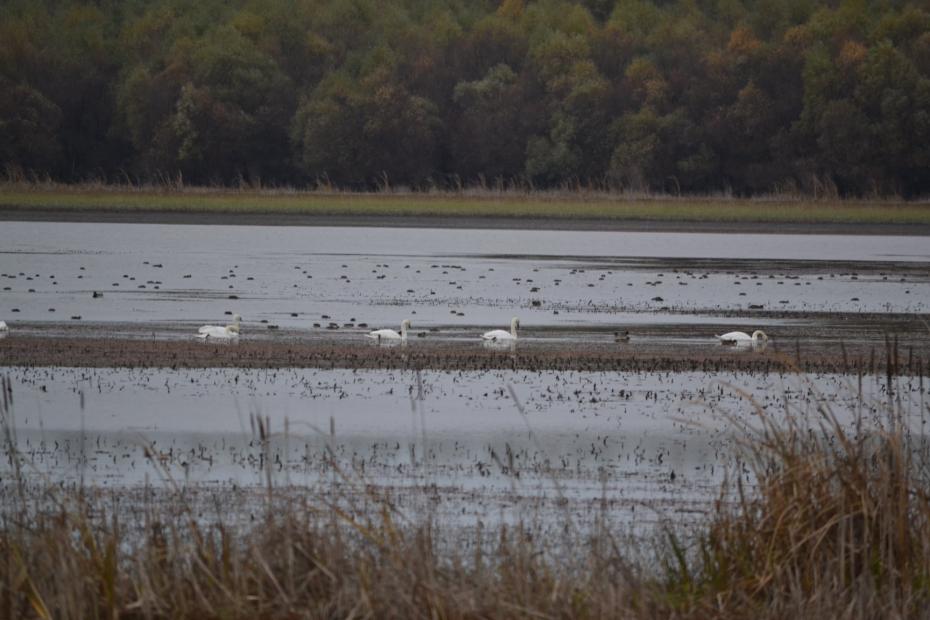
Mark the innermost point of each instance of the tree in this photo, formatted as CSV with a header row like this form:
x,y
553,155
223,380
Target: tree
x,y
231,117
490,133
28,129
575,144
355,132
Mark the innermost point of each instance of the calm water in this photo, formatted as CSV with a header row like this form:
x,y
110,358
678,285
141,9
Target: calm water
x,y
659,442
164,277
643,439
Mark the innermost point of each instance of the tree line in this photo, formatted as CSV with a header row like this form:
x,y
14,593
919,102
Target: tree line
x,y
676,96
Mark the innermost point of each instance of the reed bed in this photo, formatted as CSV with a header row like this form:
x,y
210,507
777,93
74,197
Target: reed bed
x,y
568,204
828,516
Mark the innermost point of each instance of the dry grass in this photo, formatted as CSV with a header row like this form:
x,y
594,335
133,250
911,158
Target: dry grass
x,y
837,524
480,202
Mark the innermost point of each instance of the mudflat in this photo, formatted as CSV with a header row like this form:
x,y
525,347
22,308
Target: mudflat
x,y
456,222
31,350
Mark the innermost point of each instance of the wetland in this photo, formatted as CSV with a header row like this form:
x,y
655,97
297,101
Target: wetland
x,y
615,421
102,345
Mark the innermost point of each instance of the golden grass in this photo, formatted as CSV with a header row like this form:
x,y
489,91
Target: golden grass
x,y
837,525
552,205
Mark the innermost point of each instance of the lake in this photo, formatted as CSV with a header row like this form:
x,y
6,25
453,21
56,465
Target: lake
x,y
657,442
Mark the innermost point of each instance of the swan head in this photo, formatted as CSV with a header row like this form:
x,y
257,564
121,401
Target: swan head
x,y
233,328
514,322
759,335
405,324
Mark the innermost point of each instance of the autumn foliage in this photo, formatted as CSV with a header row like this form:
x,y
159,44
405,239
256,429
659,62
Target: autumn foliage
x,y
822,97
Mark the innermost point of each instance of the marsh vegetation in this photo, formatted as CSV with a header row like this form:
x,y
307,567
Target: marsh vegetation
x,y
561,207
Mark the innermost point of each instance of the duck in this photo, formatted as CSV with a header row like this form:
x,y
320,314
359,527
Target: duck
x,y
220,332
621,337
390,334
496,335
743,337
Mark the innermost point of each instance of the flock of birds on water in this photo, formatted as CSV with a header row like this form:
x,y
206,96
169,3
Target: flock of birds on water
x,y
232,331
630,437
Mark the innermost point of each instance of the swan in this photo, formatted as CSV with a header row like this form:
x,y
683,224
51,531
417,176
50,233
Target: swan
x,y
217,331
390,334
499,334
4,327
743,337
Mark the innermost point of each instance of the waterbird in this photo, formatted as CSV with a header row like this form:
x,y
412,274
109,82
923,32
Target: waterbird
x,y
500,334
4,327
390,334
743,338
217,331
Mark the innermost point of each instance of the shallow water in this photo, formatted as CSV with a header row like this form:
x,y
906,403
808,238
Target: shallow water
x,y
641,439
655,441
165,277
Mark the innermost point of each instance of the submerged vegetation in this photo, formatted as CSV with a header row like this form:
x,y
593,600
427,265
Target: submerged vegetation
x,y
830,517
819,97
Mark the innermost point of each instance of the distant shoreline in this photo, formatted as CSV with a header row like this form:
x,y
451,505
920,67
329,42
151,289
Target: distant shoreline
x,y
582,211
111,216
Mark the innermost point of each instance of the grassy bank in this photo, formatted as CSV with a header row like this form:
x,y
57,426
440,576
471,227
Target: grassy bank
x,y
469,203
837,524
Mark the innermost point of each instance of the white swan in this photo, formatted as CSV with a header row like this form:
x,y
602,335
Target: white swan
x,y
743,337
499,334
390,334
220,332
4,327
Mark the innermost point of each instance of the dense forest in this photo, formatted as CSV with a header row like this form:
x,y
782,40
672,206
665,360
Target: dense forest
x,y
685,96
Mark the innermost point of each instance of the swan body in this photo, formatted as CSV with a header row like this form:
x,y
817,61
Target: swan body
x,y
497,335
220,332
743,337
390,334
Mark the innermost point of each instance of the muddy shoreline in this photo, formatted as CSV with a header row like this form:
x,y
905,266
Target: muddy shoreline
x,y
489,223
20,350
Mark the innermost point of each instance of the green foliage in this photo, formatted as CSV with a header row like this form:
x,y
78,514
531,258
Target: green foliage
x,y
28,127
749,96
489,132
